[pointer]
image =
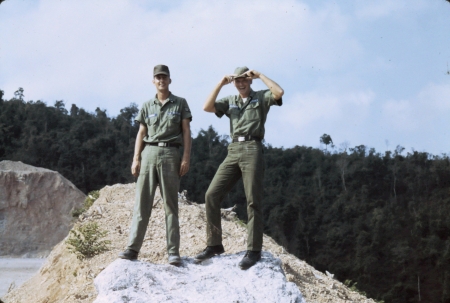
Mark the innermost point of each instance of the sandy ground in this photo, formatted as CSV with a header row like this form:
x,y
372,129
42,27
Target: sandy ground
x,y
17,271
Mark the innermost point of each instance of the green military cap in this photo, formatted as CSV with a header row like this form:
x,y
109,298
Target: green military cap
x,y
161,69
239,71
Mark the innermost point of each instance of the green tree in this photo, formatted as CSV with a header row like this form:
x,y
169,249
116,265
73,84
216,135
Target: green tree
x,y
326,139
18,94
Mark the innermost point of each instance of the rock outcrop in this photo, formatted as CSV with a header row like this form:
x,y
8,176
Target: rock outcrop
x,y
35,209
217,280
64,278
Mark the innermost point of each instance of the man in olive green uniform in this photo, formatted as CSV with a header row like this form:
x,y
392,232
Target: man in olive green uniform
x,y
247,112
164,127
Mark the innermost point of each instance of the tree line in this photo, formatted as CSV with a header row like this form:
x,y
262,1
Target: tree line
x,y
89,149
380,220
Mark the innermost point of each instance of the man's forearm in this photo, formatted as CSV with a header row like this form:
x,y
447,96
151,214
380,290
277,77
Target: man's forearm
x,y
187,142
211,100
186,129
209,104
138,145
276,90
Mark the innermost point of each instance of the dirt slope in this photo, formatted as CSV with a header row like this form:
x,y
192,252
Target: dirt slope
x,y
64,278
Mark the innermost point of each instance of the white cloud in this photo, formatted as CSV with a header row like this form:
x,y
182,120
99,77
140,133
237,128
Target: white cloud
x,y
314,107
94,54
436,97
399,115
423,112
305,117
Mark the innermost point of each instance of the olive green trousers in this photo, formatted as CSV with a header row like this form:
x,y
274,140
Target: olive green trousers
x,y
246,160
159,165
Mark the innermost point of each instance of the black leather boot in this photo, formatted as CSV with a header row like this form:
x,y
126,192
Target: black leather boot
x,y
129,254
209,252
250,259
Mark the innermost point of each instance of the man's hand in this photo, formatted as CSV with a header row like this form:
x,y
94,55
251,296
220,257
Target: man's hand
x,y
135,168
209,103
276,90
187,142
184,167
251,74
226,80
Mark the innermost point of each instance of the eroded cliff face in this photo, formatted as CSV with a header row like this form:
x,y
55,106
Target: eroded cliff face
x,y
35,209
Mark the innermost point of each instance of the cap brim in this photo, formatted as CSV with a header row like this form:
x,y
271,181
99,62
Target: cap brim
x,y
161,73
240,76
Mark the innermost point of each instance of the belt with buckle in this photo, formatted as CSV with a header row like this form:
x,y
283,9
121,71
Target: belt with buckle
x,y
164,144
246,138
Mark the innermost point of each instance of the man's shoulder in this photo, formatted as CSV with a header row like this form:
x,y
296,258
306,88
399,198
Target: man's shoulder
x,y
176,98
263,94
229,98
148,103
262,91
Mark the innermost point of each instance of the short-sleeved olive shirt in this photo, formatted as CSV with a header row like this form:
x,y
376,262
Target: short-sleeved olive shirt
x,y
164,121
250,118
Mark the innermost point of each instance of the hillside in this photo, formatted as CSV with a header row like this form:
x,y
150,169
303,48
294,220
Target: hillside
x,y
64,278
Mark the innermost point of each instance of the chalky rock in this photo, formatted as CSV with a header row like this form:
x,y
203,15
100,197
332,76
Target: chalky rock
x,y
36,207
216,280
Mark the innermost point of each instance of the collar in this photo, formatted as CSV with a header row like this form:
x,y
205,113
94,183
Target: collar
x,y
170,99
250,96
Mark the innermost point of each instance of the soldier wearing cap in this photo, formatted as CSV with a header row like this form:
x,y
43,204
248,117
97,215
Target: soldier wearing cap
x,y
247,112
164,127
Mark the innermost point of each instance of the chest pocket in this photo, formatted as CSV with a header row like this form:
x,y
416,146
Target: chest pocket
x,y
151,119
253,111
233,111
174,118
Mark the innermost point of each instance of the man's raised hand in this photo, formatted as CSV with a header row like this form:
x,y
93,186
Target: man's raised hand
x,y
226,80
252,74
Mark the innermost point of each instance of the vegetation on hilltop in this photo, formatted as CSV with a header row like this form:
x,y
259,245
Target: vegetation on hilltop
x,y
89,149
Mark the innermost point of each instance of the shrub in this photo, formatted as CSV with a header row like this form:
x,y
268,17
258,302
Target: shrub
x,y
85,241
90,199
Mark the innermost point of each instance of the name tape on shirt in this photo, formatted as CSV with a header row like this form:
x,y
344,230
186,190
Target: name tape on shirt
x,y
254,101
174,113
152,115
233,106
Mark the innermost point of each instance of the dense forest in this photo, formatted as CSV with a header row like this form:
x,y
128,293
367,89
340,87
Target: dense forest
x,y
379,220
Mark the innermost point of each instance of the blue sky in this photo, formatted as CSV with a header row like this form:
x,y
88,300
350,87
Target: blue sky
x,y
365,72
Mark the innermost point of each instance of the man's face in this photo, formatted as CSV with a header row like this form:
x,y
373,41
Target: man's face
x,y
161,82
243,86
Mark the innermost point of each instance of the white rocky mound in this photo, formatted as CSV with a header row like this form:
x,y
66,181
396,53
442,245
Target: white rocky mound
x,y
279,277
217,280
35,209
